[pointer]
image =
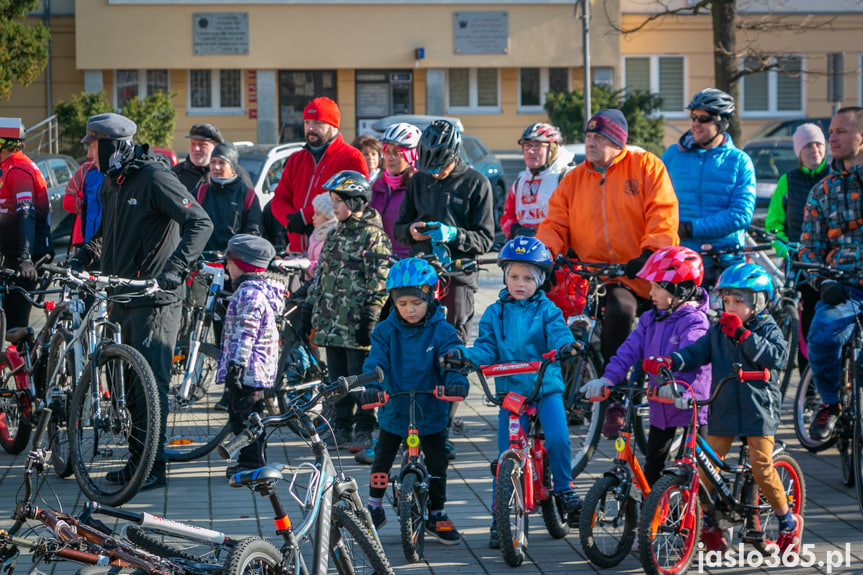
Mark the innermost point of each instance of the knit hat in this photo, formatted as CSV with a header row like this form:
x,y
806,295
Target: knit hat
x,y
806,134
324,204
252,250
323,109
610,123
228,152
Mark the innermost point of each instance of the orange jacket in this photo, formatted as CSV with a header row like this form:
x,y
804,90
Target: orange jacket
x,y
613,216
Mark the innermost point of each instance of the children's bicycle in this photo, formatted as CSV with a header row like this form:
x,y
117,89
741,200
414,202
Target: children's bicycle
x,y
523,482
411,486
671,519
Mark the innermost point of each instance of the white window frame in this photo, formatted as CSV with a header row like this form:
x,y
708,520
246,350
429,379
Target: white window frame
x,y
543,89
771,111
654,80
473,108
216,110
142,84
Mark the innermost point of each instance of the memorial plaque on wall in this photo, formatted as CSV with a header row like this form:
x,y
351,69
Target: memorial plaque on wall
x,y
481,32
220,33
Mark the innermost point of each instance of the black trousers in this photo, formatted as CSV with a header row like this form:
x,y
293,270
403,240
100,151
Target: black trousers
x,y
342,362
621,308
658,447
243,402
434,451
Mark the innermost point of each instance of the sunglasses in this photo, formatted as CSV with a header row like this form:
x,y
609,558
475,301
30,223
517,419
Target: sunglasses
x,y
701,119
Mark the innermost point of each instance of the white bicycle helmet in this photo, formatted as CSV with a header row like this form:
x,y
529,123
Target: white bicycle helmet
x,y
403,135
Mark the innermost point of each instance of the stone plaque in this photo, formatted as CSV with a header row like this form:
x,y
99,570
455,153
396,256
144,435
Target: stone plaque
x,y
220,33
481,32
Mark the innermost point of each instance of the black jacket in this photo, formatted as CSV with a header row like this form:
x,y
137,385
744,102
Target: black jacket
x,y
192,176
225,204
463,200
150,224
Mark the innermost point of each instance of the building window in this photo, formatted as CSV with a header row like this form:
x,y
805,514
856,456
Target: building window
x,y
535,83
777,92
296,89
473,90
663,75
130,84
603,77
218,91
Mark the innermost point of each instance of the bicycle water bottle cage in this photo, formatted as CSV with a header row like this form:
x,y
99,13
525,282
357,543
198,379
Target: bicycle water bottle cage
x,y
513,402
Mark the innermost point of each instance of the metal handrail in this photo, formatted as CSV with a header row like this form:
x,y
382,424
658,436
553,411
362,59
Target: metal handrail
x,y
48,127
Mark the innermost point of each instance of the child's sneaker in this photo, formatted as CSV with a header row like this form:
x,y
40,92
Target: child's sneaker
x,y
493,538
366,456
791,539
439,526
614,414
571,502
714,540
379,516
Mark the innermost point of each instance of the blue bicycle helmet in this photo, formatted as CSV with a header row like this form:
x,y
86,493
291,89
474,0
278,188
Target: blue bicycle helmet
x,y
412,276
748,276
526,250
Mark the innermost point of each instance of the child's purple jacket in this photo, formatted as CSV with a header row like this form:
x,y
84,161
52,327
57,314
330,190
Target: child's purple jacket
x,y
684,326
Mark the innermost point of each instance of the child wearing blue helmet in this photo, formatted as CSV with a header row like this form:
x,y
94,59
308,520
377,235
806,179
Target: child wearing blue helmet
x,y
522,326
744,335
406,346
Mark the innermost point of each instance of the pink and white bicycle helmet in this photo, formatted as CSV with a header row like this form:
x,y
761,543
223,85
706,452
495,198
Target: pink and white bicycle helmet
x,y
403,135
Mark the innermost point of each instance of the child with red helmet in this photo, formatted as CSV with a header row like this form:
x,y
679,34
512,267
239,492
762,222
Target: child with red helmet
x,y
679,318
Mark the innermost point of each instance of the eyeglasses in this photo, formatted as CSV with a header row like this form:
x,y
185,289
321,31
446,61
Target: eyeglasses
x,y
392,151
534,146
701,119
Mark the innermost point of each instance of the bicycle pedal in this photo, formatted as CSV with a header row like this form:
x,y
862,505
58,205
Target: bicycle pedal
x,y
752,536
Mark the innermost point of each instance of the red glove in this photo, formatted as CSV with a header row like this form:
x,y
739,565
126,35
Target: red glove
x,y
653,363
732,326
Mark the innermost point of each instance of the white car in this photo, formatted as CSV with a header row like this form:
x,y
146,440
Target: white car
x,y
578,150
265,164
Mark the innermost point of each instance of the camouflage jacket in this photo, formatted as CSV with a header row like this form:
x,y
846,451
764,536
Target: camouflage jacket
x,y
345,282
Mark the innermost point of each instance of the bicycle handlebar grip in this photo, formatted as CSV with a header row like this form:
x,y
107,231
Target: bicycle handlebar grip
x,y
440,393
383,394
763,375
228,450
55,269
362,379
606,392
653,395
454,361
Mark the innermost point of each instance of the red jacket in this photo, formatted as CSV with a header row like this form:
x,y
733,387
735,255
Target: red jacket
x,y
302,180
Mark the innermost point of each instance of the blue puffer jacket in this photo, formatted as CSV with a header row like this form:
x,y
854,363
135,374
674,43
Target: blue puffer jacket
x,y
716,192
513,330
408,355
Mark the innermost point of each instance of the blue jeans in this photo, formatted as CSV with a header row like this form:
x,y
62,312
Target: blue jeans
x,y
552,417
831,328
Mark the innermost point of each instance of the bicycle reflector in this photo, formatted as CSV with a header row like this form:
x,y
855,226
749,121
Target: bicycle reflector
x,y
513,402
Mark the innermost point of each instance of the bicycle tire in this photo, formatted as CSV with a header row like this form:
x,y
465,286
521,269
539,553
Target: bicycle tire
x,y
346,524
15,414
195,428
857,442
175,546
606,539
846,460
510,512
115,435
584,417
671,511
57,395
792,479
253,556
109,570
553,515
806,404
788,321
413,501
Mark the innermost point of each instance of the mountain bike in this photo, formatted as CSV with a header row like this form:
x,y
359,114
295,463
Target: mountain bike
x,y
671,517
335,523
523,482
411,486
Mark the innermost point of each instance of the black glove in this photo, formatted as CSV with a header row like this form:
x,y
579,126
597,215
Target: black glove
x,y
455,390
633,266
371,396
684,230
169,281
75,265
568,349
305,325
234,376
369,317
296,223
833,292
27,270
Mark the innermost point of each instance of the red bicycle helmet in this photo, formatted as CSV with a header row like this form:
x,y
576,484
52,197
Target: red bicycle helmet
x,y
674,264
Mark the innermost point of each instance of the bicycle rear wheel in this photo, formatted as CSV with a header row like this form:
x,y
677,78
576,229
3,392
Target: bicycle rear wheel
x,y
608,519
176,546
354,548
806,405
857,442
195,427
113,446
412,511
554,515
670,526
61,360
510,512
15,424
254,556
788,320
584,417
791,477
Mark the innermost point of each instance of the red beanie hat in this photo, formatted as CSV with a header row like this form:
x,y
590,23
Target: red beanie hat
x,y
323,109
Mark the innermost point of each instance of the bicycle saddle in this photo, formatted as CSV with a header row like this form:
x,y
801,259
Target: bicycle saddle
x,y
254,477
19,334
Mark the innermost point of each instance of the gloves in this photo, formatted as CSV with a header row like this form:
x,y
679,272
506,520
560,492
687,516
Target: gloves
x,y
305,324
369,317
169,281
296,223
455,390
833,292
732,326
568,349
667,391
594,387
653,363
75,265
633,266
234,376
684,230
454,353
442,234
372,396
27,270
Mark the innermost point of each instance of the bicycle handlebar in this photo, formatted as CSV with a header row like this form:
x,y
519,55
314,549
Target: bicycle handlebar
x,y
439,392
665,377
464,265
150,286
465,365
594,268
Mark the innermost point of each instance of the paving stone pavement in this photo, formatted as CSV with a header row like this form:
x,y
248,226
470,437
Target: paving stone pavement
x,y
197,492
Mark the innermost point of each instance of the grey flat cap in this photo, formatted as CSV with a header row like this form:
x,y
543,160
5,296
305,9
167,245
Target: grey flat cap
x,y
112,126
254,250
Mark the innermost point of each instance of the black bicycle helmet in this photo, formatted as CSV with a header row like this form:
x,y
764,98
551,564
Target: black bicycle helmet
x,y
349,184
439,146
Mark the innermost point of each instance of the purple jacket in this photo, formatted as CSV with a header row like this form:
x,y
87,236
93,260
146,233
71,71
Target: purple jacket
x,y
387,203
684,326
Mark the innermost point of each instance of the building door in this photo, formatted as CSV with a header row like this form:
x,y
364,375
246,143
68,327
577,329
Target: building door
x,y
382,93
296,89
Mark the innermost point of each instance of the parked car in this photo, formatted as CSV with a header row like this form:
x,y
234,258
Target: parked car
x,y
57,169
772,157
265,164
786,128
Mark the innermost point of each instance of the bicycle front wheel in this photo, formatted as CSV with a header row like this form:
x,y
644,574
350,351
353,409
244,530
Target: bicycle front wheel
x,y
584,417
195,427
354,548
806,405
607,527
412,509
114,444
15,424
510,512
792,480
670,526
61,361
253,556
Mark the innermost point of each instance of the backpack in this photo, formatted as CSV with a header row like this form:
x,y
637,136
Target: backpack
x,y
202,193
